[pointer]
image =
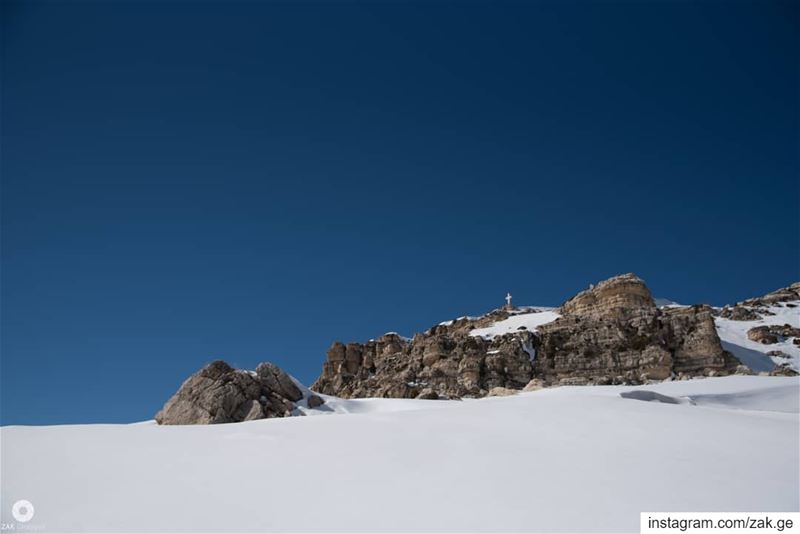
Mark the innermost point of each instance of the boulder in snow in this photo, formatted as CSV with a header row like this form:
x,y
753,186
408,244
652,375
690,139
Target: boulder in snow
x,y
218,393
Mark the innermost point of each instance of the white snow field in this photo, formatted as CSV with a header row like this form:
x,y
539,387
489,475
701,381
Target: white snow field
x,y
754,355
528,319
567,459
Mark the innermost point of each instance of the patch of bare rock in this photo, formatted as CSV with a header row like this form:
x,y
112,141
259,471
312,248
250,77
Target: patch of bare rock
x,y
770,334
756,308
779,296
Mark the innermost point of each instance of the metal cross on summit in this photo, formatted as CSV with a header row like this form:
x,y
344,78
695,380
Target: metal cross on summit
x,y
508,301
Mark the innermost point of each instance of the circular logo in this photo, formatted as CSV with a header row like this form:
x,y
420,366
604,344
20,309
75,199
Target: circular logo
x,y
22,511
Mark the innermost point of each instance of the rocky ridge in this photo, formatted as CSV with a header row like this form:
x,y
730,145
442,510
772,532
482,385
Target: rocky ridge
x,y
756,308
611,333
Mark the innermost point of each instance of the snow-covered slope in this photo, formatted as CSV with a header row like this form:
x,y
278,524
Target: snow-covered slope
x,y
753,354
530,318
666,303
335,405
522,463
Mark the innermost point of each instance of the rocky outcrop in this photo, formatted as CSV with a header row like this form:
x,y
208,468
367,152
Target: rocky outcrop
x,y
741,313
757,308
444,362
619,298
783,369
219,393
770,334
779,296
762,334
611,333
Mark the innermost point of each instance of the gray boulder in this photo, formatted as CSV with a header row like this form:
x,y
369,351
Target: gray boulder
x,y
219,393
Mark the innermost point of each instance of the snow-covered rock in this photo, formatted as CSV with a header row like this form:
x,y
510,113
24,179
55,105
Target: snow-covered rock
x,y
782,317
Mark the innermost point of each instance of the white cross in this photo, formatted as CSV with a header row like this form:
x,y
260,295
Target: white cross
x,y
508,299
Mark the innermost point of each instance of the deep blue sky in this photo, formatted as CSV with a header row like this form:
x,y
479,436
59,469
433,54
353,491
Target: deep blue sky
x,y
251,181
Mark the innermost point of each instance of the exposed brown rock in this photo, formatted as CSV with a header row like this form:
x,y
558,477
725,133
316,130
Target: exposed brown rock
x,y
740,313
446,361
770,334
614,333
786,330
315,401
756,308
777,354
783,370
693,335
778,296
762,334
622,297
611,333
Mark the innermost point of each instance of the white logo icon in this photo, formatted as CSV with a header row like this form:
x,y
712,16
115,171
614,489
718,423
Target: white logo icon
x,y
22,511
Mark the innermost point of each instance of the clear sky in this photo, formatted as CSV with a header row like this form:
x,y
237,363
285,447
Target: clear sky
x,y
251,181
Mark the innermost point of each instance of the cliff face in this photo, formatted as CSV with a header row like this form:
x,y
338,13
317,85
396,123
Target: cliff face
x,y
614,333
438,363
610,333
